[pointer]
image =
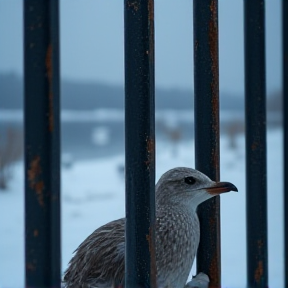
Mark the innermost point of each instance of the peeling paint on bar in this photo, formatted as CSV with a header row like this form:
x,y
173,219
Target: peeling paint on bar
x,y
35,180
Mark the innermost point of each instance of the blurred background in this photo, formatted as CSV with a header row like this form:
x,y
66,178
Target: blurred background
x,y
92,118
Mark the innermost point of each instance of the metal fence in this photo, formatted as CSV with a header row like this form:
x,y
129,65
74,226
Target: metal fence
x,y
42,140
42,144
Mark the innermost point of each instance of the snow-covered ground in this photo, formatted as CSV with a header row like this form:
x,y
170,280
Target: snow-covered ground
x,y
93,194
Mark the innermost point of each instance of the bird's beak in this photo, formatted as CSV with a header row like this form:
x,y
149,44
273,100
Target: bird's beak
x,y
221,187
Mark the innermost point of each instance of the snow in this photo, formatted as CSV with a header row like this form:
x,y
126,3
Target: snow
x,y
93,194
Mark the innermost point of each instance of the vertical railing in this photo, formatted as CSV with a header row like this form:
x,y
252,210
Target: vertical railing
x,y
42,143
285,124
139,144
255,117
206,93
42,140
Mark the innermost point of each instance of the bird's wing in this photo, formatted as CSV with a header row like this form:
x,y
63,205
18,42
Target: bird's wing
x,y
99,260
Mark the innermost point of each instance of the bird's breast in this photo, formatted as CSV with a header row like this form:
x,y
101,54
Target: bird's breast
x,y
177,239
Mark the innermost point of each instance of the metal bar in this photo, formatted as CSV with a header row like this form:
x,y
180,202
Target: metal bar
x,y
42,143
285,124
255,117
206,93
140,267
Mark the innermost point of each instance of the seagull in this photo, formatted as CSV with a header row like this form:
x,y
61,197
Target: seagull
x,y
99,262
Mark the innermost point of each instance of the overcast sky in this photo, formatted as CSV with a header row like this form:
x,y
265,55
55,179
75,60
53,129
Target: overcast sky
x,y
92,42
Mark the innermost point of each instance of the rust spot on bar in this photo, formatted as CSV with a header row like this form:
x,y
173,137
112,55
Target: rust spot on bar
x,y
39,187
35,182
49,68
48,63
259,272
213,272
151,10
148,239
150,148
30,267
212,222
35,233
134,5
215,100
196,46
34,170
260,244
254,146
151,51
213,44
152,250
213,9
215,159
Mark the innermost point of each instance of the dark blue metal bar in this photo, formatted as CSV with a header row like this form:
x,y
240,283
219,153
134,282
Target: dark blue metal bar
x,y
206,93
140,267
285,124
255,117
42,143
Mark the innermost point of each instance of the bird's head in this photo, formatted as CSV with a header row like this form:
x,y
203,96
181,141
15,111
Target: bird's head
x,y
188,186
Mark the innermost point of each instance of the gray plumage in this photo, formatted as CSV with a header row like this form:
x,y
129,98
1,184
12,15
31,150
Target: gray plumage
x,y
99,260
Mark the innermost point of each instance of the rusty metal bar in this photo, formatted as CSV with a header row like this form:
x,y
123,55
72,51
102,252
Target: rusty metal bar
x,y
206,93
285,124
255,117
42,143
140,267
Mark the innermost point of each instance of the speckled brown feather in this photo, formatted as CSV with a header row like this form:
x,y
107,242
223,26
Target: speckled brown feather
x,y
103,248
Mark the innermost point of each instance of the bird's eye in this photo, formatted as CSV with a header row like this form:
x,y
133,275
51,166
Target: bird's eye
x,y
189,180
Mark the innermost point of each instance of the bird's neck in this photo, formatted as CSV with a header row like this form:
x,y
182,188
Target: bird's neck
x,y
187,209
188,206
